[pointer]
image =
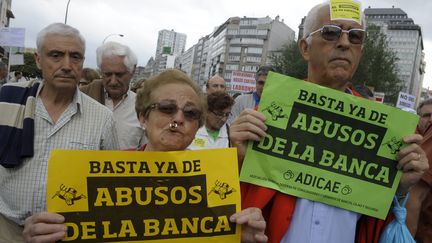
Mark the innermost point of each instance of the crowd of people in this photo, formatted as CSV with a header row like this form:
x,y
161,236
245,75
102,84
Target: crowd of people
x,y
76,108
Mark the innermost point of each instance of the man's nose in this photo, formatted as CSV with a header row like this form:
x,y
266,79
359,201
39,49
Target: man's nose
x,y
66,63
343,41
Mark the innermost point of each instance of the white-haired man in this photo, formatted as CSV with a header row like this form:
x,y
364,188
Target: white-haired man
x,y
47,115
117,64
332,48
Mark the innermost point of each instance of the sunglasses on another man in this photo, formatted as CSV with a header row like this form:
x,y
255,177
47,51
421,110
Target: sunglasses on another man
x,y
169,107
334,32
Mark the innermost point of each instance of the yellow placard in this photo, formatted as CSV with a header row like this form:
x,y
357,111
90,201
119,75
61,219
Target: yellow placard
x,y
345,9
135,196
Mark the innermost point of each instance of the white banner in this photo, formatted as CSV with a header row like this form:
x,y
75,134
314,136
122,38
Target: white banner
x,y
16,59
12,36
405,100
242,81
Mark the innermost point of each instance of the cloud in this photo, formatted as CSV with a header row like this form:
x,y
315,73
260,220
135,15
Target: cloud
x,y
139,21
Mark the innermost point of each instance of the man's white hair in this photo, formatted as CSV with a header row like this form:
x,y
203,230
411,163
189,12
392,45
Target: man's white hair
x,y
312,18
111,48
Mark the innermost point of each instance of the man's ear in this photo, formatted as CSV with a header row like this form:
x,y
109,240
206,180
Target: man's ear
x,y
304,49
37,60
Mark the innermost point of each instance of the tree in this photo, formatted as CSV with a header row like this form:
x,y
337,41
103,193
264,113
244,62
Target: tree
x,y
289,61
377,67
29,69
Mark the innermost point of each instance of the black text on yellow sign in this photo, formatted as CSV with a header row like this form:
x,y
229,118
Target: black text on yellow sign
x,y
180,205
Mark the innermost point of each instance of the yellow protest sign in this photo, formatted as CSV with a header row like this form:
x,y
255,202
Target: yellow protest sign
x,y
135,196
345,9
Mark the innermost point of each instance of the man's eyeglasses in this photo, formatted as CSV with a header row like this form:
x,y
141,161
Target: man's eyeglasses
x,y
117,74
168,107
221,115
333,33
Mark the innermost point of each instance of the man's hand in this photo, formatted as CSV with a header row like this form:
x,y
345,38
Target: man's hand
x,y
249,125
44,228
253,225
412,161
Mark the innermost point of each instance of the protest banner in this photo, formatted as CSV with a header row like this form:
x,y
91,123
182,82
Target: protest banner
x,y
328,146
242,81
406,100
135,196
12,36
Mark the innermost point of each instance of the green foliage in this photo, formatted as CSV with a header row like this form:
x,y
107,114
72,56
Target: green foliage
x,y
289,61
29,69
377,67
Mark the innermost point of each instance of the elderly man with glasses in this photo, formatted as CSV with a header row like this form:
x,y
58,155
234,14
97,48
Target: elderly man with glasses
x,y
214,133
117,64
333,48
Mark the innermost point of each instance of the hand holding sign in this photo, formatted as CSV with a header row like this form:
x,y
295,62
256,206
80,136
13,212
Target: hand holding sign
x,y
249,125
44,227
253,224
412,161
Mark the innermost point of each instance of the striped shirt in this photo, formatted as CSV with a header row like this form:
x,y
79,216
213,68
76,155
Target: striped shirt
x,y
84,125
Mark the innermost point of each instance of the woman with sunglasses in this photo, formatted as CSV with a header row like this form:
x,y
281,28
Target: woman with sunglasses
x,y
171,108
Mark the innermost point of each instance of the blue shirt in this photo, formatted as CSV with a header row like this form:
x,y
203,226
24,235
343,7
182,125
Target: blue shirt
x,y
315,222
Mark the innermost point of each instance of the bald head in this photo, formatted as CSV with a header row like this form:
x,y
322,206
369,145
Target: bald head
x,y
216,83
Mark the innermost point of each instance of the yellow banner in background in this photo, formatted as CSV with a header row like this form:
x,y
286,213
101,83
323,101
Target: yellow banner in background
x,y
135,196
345,9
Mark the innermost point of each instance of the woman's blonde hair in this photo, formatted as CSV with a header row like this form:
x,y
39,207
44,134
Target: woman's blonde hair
x,y
170,76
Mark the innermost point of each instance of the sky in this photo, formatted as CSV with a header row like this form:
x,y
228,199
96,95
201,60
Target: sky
x,y
140,20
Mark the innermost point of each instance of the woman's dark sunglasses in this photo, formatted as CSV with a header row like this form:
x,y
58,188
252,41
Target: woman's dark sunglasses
x,y
167,107
333,33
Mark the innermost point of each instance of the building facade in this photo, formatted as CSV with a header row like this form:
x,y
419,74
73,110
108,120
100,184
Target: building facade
x,y
5,16
405,39
170,45
239,44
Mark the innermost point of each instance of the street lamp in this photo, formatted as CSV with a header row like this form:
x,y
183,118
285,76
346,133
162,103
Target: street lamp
x,y
121,35
67,9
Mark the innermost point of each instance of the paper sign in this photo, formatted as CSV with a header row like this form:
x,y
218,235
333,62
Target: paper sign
x,y
243,81
12,36
406,100
135,196
345,10
328,146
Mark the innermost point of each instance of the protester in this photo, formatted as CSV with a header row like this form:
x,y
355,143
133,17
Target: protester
x,y
333,56
214,133
17,77
251,100
117,64
58,116
171,108
419,205
87,76
216,83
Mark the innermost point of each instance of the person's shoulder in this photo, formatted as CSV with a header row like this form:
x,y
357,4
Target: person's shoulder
x,y
244,96
92,105
24,84
94,85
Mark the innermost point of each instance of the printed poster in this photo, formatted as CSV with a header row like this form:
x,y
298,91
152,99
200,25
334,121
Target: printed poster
x,y
345,10
328,146
136,196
